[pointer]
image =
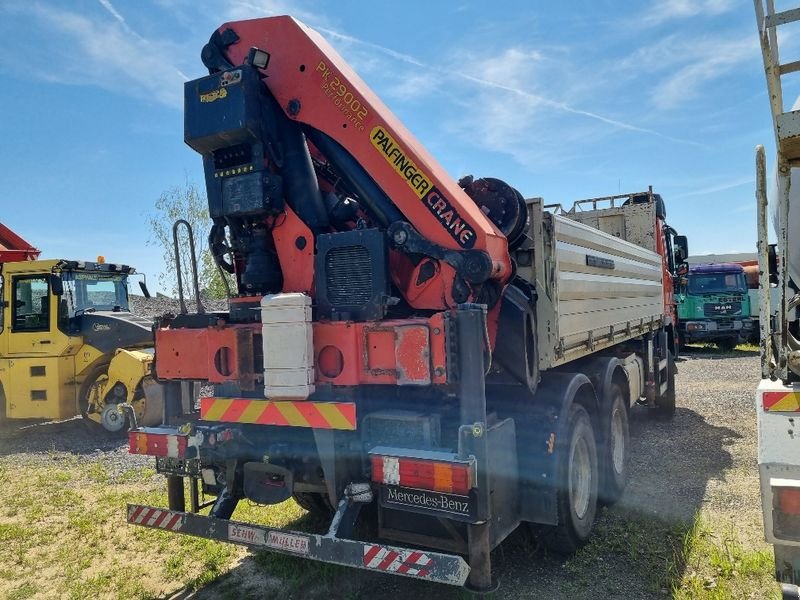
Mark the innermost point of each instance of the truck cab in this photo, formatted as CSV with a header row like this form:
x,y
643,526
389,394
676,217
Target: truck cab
x,y
714,305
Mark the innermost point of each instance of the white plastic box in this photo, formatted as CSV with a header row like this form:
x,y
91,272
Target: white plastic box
x,y
288,346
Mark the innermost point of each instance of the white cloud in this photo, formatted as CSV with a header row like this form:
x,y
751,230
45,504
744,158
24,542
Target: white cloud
x,y
662,11
719,187
703,63
79,50
506,72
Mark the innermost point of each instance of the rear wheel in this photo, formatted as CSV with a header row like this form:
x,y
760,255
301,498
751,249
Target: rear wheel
x,y
317,504
577,486
614,452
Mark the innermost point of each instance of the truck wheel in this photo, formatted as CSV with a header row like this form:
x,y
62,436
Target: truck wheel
x,y
728,344
577,486
615,456
317,504
665,405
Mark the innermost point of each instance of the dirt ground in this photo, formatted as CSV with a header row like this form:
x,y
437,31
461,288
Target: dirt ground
x,y
698,468
688,525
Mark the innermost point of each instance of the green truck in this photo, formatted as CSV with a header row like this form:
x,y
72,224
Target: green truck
x,y
714,305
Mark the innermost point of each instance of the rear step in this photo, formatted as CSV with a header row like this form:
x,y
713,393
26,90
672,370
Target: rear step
x,y
430,566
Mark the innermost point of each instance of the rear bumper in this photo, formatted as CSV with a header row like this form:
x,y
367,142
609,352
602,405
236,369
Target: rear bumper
x,y
431,566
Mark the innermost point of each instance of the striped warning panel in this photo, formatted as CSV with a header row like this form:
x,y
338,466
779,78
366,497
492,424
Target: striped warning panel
x,y
319,415
155,517
407,562
781,401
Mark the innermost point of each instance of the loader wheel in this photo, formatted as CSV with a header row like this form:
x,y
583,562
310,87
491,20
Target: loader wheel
x,y
112,419
615,456
89,394
577,483
89,387
317,504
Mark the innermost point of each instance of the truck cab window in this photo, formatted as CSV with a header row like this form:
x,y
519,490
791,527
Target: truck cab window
x,y
31,304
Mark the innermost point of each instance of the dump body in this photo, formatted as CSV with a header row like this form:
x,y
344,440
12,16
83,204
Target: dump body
x,y
595,288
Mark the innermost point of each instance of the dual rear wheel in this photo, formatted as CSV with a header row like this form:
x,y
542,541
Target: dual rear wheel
x,y
589,472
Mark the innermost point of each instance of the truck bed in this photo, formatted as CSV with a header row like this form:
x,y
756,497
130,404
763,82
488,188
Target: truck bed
x,y
594,289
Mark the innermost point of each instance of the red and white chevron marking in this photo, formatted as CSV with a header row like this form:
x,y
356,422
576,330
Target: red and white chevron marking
x,y
155,517
407,562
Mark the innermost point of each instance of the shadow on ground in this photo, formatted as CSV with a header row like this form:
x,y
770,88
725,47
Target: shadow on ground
x,y
637,549
712,351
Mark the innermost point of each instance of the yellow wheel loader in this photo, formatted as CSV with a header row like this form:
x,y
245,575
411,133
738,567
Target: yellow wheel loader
x,y
68,342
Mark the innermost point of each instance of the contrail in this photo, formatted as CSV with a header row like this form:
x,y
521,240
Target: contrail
x,y
491,84
115,13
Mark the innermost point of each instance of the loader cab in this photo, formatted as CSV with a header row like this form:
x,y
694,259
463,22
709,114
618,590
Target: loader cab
x,y
37,360
89,291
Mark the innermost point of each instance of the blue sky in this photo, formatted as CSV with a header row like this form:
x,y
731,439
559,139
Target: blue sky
x,y
562,100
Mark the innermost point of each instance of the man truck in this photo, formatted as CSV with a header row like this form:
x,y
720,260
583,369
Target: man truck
x,y
714,305
439,361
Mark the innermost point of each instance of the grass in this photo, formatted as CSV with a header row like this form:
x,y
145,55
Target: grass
x,y
690,561
63,531
718,566
64,534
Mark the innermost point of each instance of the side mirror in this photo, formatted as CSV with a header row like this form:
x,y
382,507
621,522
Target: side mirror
x,y
56,285
681,244
143,287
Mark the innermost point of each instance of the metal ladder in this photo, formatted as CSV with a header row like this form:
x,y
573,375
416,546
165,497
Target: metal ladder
x,y
786,126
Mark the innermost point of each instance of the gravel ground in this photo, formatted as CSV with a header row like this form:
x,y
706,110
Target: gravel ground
x,y
705,459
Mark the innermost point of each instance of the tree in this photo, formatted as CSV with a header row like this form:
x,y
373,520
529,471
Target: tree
x,y
186,202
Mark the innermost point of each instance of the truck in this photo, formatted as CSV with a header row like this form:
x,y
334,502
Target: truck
x,y
714,305
68,342
777,397
427,364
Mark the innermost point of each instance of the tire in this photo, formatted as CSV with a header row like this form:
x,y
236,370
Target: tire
x,y
665,405
316,504
86,388
615,457
94,376
577,482
728,344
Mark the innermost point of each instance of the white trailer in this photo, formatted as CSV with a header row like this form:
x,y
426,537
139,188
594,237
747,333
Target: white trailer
x,y
777,398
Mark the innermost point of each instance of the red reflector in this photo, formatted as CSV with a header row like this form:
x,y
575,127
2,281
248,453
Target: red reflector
x,y
788,500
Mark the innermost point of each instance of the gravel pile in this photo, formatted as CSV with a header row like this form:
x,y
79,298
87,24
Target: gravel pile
x,y
159,304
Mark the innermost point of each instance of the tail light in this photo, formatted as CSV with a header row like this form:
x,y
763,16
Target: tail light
x,y
438,476
786,509
157,443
